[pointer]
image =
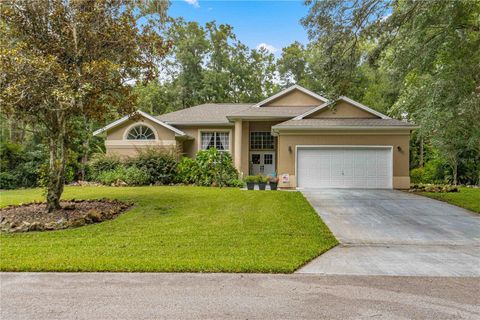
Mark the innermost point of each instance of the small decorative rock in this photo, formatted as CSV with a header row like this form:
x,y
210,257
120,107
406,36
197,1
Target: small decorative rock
x,y
69,207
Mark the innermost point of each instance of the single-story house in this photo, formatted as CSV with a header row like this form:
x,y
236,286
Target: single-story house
x,y
307,140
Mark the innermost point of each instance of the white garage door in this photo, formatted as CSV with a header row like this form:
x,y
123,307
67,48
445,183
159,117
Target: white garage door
x,y
344,167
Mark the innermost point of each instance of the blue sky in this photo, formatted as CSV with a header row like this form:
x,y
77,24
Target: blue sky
x,y
274,23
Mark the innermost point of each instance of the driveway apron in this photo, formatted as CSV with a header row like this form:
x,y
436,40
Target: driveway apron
x,y
390,232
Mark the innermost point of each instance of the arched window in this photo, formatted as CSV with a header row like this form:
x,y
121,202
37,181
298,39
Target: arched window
x,y
140,132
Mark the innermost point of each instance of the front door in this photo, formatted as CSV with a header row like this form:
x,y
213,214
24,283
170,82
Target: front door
x,y
263,162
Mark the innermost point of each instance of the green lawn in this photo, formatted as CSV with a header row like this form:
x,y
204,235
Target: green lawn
x,y
468,198
175,229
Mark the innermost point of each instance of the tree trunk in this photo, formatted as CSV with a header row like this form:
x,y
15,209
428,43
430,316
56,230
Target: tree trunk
x,y
85,149
56,169
455,172
420,161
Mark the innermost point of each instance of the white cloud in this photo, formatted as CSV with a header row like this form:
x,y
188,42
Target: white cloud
x,y
267,47
193,3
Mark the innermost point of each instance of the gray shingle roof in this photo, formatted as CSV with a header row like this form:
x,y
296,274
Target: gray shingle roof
x,y
332,123
220,113
215,113
268,112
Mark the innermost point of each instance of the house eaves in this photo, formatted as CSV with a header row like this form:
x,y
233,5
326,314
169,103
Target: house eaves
x,y
143,114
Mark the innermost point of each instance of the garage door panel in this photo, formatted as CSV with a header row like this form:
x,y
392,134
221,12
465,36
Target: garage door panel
x,y
359,183
344,167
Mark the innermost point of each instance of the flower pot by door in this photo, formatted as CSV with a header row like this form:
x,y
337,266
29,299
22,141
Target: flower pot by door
x,y
262,185
273,186
250,185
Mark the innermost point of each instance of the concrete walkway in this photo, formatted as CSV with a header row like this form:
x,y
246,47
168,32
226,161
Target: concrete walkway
x,y
388,232
140,296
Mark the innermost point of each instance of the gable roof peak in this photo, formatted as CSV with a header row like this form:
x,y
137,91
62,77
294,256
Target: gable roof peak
x,y
288,90
346,99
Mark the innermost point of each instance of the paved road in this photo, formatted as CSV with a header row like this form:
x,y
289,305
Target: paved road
x,y
388,232
234,296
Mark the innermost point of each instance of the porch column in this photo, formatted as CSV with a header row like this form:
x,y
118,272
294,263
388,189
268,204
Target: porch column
x,y
238,146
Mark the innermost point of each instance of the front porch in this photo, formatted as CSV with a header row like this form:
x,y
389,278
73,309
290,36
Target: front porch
x,y
255,147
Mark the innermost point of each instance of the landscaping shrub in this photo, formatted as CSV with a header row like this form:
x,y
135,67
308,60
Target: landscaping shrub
x,y
109,177
209,168
132,176
187,171
7,180
19,165
101,163
136,177
434,171
160,165
417,175
235,183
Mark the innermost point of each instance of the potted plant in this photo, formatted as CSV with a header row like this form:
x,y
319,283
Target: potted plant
x,y
262,182
250,181
273,183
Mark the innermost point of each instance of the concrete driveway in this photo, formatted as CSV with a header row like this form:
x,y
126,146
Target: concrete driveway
x,y
389,232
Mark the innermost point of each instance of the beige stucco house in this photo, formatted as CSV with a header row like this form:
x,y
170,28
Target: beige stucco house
x,y
308,141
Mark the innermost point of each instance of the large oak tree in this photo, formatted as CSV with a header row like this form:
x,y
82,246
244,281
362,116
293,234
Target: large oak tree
x,y
66,61
431,48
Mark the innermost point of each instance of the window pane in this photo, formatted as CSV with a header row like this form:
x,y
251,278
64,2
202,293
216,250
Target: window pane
x,y
140,132
267,159
223,141
207,140
255,158
261,140
268,141
218,140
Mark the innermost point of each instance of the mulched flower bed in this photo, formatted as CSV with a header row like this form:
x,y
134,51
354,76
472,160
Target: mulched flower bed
x,y
74,213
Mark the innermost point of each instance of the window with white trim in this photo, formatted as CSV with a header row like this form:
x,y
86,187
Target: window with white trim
x,y
219,140
261,141
140,132
268,159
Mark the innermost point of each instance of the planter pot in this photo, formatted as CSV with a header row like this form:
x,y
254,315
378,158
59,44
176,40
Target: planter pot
x,y
273,185
262,185
250,185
